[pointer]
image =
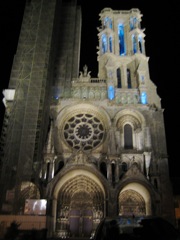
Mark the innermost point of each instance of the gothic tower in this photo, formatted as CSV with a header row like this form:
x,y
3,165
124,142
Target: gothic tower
x,y
90,147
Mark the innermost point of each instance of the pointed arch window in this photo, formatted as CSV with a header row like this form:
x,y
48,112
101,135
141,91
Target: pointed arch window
x,y
143,98
134,22
118,78
128,139
121,39
104,43
129,78
140,43
113,167
124,167
110,44
131,23
60,165
134,44
108,22
48,170
103,169
155,183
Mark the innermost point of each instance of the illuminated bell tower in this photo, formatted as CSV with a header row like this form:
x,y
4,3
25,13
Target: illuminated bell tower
x,y
138,123
122,58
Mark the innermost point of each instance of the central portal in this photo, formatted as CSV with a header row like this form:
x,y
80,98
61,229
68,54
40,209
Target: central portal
x,y
80,207
81,222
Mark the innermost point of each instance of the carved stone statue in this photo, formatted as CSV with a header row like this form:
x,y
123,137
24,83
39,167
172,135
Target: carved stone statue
x,y
85,74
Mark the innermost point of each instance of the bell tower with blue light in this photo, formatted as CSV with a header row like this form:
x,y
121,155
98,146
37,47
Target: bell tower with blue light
x,y
122,58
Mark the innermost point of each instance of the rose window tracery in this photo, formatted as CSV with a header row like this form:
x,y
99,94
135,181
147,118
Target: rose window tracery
x,y
83,131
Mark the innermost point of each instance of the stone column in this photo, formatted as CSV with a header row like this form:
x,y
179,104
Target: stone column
x,y
147,156
109,172
124,76
51,168
118,141
147,136
117,172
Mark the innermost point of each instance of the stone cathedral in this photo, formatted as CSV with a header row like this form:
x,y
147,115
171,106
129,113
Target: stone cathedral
x,y
75,148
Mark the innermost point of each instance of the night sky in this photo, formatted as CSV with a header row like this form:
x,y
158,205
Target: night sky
x,y
162,44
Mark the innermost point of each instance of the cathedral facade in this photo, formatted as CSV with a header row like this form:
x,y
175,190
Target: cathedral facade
x,y
87,147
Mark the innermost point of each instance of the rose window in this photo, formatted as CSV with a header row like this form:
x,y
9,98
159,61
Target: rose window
x,y
83,131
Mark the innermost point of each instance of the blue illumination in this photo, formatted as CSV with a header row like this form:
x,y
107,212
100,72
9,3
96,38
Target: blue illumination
x,y
143,98
121,39
55,97
108,22
104,43
111,93
110,44
56,91
134,44
133,23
